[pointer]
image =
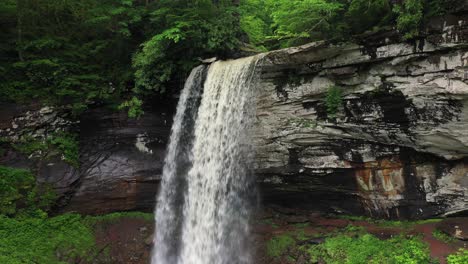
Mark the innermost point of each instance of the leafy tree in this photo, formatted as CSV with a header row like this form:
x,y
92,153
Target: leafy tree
x,y
256,22
69,52
410,15
362,15
305,20
191,29
115,52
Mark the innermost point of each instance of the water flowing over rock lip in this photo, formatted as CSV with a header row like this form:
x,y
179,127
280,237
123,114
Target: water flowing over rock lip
x,y
204,206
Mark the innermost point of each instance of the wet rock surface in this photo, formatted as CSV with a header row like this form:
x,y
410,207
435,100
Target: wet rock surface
x,y
396,145
121,161
455,227
36,122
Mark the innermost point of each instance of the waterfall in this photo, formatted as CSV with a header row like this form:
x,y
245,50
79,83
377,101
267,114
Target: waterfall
x,y
176,164
204,206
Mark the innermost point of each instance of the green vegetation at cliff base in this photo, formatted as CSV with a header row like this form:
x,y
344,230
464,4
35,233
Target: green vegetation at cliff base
x,y
67,238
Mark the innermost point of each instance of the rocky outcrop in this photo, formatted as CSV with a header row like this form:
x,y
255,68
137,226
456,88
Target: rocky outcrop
x,y
121,160
36,123
392,142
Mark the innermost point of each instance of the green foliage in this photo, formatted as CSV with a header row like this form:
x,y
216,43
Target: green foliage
x,y
277,245
19,193
272,24
68,238
366,248
439,235
333,101
15,186
115,217
61,143
256,21
58,240
73,53
410,15
300,234
133,106
461,257
362,15
29,145
298,21
90,52
67,145
192,29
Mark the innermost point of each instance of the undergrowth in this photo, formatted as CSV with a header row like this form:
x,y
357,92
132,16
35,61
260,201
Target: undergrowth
x,y
68,238
441,236
57,240
115,217
366,248
279,244
21,196
333,101
61,143
461,257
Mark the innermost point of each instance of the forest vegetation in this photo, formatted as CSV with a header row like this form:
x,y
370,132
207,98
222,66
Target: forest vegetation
x,y
121,54
116,52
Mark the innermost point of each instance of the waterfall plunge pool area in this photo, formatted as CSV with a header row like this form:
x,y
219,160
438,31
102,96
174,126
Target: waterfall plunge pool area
x,y
278,235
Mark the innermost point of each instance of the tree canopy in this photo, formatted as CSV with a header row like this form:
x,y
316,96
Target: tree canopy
x,y
116,52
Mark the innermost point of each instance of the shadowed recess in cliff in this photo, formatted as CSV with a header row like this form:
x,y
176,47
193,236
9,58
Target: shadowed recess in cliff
x,y
204,207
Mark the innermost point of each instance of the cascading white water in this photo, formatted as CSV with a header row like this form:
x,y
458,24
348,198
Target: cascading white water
x,y
210,224
176,164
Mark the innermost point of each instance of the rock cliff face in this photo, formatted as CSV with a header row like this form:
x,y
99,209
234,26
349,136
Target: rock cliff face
x,y
121,160
36,122
377,127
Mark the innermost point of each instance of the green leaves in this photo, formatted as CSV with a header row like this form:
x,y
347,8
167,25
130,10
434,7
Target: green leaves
x,y
310,19
89,52
279,244
67,145
190,30
410,17
363,15
14,187
63,144
133,106
20,195
366,248
57,240
460,257
333,101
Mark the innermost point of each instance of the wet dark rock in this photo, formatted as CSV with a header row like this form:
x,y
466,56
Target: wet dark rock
x,y
121,161
455,227
398,146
